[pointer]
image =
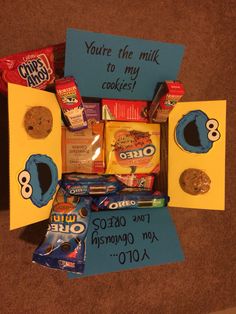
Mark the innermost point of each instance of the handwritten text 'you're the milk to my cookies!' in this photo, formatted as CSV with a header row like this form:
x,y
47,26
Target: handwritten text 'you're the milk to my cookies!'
x,y
123,53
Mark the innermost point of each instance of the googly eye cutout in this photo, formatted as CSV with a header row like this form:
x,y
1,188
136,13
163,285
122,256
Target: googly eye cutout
x,y
26,191
212,124
214,135
26,188
24,177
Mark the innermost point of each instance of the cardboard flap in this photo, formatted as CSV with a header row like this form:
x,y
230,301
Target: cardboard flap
x,y
34,152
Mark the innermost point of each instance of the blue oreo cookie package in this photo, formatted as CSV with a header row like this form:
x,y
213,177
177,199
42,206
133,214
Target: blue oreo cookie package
x,y
141,199
90,184
64,246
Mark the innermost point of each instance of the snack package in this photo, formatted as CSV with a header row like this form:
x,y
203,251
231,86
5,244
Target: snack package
x,y
64,244
82,151
79,184
168,94
130,200
140,181
132,147
124,110
32,68
71,104
93,112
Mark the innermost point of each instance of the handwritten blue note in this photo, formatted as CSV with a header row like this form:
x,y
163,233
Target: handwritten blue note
x,y
108,66
126,239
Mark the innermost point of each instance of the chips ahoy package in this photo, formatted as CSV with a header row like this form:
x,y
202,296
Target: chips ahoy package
x,y
64,246
31,68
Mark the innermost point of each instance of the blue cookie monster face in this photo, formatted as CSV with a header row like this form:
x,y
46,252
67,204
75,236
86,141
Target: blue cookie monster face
x,y
196,133
39,179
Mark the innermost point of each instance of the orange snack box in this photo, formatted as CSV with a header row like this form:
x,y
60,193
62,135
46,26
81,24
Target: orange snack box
x,y
132,147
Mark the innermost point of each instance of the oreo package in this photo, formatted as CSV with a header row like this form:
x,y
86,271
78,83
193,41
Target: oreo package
x,y
130,200
64,245
80,184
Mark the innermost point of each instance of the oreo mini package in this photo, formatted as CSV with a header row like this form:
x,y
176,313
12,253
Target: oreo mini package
x,y
130,200
132,147
64,246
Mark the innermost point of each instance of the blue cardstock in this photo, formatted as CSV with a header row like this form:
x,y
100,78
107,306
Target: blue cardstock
x,y
107,66
128,239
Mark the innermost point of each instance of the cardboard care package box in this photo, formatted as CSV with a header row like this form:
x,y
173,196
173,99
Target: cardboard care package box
x,y
125,151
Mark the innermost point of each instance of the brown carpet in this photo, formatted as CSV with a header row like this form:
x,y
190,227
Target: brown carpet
x,y
204,282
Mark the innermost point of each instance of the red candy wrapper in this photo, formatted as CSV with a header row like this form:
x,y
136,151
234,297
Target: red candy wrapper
x,y
32,68
140,181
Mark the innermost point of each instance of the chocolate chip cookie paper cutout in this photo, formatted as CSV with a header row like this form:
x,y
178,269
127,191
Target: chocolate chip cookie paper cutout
x,y
35,153
129,239
196,155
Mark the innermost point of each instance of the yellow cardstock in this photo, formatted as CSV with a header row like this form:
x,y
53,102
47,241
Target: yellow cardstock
x,y
211,162
39,158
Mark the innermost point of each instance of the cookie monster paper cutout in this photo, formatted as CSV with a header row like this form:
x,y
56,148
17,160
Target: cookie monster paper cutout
x,y
196,155
196,133
34,152
39,179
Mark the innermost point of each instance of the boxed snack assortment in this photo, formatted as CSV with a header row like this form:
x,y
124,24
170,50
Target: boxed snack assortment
x,y
110,146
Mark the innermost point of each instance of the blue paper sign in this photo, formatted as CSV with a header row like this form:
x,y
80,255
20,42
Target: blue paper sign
x,y
132,238
107,66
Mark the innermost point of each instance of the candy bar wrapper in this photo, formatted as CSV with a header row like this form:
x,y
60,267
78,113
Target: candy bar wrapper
x,y
64,244
130,200
124,110
32,68
140,181
132,147
71,104
82,151
93,112
79,184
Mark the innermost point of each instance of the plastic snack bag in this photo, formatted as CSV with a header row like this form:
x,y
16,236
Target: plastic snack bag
x,y
82,151
32,68
64,244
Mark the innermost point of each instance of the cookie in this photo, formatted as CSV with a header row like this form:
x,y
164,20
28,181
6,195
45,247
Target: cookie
x,y
194,181
38,122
